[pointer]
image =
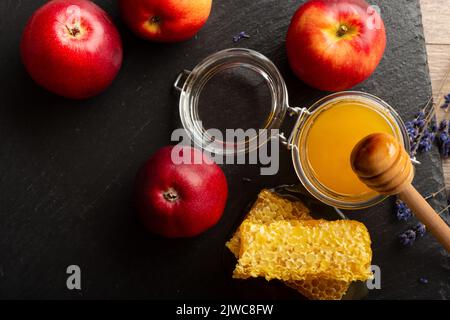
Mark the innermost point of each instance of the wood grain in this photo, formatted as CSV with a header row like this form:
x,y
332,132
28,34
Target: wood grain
x,y
436,22
435,16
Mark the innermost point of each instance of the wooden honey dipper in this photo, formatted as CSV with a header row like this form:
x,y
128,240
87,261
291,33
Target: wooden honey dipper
x,y
383,164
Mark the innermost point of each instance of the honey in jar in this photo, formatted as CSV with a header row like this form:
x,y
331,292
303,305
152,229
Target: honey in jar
x,y
331,138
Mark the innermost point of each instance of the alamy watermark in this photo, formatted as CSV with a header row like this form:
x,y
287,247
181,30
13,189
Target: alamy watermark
x,y
73,281
262,146
375,282
374,21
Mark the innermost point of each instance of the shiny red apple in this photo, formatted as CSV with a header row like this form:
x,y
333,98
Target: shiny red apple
x,y
180,192
165,20
71,48
333,45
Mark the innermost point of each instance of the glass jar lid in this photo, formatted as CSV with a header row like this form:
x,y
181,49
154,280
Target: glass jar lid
x,y
234,89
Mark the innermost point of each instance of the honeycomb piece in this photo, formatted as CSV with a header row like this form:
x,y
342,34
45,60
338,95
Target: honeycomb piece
x,y
270,207
315,288
298,250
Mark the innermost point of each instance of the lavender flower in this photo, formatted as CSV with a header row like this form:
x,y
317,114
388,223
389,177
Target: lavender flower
x,y
447,98
402,211
444,138
446,103
420,229
407,238
432,136
433,126
418,125
412,131
240,36
444,144
420,115
426,143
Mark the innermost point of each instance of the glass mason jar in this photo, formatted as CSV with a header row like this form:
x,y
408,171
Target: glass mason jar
x,y
192,84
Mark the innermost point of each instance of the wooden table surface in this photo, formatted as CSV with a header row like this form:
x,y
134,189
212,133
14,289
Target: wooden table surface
x,y
436,22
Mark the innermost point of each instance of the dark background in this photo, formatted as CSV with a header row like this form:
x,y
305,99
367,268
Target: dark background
x,y
67,167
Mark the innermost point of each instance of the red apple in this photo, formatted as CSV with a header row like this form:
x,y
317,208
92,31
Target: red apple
x,y
177,199
165,20
71,48
333,45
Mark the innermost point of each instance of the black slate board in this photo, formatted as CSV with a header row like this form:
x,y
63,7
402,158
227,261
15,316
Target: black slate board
x,y
67,167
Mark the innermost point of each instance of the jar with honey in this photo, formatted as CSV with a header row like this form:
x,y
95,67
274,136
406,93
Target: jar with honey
x,y
324,138
324,133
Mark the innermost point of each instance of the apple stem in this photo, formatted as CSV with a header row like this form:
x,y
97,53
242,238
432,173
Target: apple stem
x,y
342,30
74,31
171,195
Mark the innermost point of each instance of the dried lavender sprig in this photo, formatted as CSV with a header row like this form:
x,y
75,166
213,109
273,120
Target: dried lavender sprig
x,y
403,213
431,113
409,237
